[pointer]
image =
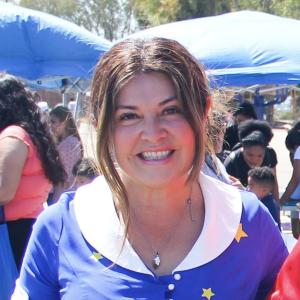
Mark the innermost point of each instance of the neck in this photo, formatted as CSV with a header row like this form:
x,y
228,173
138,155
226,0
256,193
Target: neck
x,y
166,199
165,220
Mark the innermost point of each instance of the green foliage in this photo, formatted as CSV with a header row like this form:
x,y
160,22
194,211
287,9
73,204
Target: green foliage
x,y
111,18
154,12
114,18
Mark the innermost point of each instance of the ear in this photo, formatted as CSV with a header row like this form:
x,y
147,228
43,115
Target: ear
x,y
208,105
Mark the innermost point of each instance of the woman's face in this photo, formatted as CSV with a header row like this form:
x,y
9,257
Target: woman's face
x,y
154,144
254,155
57,127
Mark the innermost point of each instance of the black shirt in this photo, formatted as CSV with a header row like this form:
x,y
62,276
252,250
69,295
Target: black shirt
x,y
236,165
231,137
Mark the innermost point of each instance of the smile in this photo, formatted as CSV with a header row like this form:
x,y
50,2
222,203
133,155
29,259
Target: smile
x,y
159,155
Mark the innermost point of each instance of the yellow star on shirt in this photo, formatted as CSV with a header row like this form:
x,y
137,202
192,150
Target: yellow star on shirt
x,y
240,233
96,256
207,293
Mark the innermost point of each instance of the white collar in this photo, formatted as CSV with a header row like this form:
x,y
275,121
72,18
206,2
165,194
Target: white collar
x,y
95,213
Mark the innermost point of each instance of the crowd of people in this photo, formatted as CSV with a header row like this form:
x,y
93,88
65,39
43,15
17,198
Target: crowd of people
x,y
187,205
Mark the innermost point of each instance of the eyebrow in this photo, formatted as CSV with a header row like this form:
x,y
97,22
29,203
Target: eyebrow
x,y
162,103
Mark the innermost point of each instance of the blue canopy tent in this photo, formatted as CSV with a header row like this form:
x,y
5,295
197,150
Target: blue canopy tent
x,y
242,48
40,47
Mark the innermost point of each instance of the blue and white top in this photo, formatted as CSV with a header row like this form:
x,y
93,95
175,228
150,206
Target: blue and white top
x,y
75,251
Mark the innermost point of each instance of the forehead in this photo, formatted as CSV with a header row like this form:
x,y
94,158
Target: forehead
x,y
242,117
146,87
254,150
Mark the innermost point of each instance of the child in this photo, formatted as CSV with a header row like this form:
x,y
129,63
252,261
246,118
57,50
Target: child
x,y
84,172
261,181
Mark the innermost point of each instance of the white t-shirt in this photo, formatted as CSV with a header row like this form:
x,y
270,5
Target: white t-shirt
x,y
296,193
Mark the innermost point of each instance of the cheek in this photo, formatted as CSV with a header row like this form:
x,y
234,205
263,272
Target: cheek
x,y
187,138
123,140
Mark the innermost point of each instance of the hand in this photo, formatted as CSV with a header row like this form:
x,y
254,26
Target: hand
x,y
236,182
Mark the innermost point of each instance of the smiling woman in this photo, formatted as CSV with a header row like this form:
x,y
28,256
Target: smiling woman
x,y
153,226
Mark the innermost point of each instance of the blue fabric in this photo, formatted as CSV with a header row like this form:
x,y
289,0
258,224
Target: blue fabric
x,y
8,269
59,263
240,48
36,45
273,208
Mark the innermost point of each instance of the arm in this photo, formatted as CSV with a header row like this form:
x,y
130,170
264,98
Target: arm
x,y
273,251
276,187
13,154
236,182
295,179
39,272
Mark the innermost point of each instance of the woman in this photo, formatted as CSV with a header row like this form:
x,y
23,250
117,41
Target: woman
x,y
291,195
29,162
255,136
213,166
151,227
245,111
69,145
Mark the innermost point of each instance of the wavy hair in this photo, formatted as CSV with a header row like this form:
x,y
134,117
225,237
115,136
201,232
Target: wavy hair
x,y
256,128
17,107
125,61
64,115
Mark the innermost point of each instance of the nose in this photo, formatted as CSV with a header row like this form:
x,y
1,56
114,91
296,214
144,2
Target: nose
x,y
256,162
153,130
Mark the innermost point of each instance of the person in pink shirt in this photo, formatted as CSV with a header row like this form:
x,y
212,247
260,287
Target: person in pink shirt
x,y
29,162
69,145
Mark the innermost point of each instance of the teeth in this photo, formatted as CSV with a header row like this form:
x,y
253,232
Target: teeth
x,y
155,155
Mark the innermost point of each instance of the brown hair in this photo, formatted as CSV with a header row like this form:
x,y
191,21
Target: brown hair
x,y
123,62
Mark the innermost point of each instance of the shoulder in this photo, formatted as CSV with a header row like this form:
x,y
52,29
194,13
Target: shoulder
x,y
18,134
69,143
50,221
257,214
297,153
16,131
271,151
231,130
233,157
271,157
251,204
72,140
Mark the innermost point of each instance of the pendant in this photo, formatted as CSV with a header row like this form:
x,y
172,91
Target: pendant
x,y
156,261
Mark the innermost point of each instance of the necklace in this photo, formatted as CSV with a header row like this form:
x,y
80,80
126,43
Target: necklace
x,y
156,260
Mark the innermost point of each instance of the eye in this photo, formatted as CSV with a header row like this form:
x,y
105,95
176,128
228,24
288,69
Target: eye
x,y
172,110
128,116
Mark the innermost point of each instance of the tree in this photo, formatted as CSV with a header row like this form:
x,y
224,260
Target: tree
x,y
155,12
109,18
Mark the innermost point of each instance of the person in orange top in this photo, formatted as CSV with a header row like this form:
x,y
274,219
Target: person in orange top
x,y
29,162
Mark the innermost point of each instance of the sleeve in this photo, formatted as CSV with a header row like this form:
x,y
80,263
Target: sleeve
x,y
70,153
288,280
20,134
229,164
297,153
39,272
272,158
273,251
